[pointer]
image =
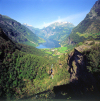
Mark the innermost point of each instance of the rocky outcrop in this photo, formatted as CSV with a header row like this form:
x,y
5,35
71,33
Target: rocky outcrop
x,y
78,69
95,11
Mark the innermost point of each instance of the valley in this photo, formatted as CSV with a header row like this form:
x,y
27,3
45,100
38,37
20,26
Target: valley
x,y
58,62
56,52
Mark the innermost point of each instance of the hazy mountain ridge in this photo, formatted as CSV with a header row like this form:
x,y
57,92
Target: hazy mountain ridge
x,y
88,28
17,32
57,31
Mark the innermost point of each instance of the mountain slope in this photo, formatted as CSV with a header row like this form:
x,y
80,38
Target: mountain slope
x,y
17,32
88,28
37,31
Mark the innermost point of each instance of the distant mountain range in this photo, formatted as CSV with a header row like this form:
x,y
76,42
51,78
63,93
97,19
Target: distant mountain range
x,y
57,31
17,32
89,28
65,32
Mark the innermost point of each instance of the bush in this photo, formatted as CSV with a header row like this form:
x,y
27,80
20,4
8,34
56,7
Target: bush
x,y
94,59
80,43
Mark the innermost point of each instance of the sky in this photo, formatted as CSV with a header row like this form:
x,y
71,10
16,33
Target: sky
x,y
41,13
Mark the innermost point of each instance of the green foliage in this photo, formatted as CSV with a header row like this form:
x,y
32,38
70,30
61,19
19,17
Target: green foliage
x,y
76,38
94,59
54,55
62,57
62,49
80,43
62,74
31,50
49,52
19,66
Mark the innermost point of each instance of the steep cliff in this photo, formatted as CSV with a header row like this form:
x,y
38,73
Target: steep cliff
x,y
78,66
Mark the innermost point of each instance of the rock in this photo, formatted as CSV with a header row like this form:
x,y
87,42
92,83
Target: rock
x,y
78,69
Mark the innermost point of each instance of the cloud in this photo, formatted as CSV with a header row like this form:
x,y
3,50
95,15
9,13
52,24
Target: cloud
x,y
75,19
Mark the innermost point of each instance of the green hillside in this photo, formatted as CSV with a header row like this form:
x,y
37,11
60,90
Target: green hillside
x,y
19,63
17,32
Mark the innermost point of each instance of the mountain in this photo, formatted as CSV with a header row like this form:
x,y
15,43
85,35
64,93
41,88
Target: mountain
x,y
17,32
88,28
57,31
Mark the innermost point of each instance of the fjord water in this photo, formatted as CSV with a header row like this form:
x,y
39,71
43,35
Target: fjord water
x,y
49,44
